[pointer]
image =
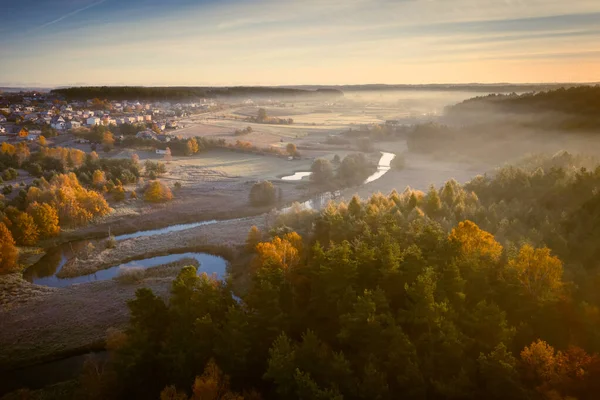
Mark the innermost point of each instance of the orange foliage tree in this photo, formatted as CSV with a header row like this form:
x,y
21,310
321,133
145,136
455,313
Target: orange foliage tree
x,y
46,218
475,242
8,251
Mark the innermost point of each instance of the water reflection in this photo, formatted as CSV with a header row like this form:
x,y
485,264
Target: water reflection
x,y
208,263
296,177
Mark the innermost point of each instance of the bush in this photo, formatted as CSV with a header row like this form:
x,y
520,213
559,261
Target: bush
x,y
177,185
130,275
262,194
7,189
111,242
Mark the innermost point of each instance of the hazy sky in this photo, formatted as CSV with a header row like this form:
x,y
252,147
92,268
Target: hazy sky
x,y
278,42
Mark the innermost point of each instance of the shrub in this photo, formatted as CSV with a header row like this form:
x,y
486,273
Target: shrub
x,y
177,185
111,242
262,193
130,275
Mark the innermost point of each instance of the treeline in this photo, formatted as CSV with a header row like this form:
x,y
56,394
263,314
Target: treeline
x,y
573,109
182,93
487,290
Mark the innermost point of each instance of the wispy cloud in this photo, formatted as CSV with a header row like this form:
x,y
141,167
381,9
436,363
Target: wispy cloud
x,y
72,13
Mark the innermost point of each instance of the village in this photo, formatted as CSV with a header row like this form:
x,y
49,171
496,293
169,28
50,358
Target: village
x,y
26,116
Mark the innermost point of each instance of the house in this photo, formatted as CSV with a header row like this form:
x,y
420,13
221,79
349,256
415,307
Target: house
x,y
30,117
58,123
147,118
147,134
2,129
162,152
139,118
92,121
172,124
2,118
73,124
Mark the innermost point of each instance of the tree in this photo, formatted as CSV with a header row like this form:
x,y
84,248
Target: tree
x,y
8,251
24,229
261,115
322,171
539,273
213,385
192,147
262,194
254,237
42,140
291,149
168,156
157,192
46,218
108,141
473,241
99,178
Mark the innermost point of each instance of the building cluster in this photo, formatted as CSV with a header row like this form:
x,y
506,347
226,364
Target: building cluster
x,y
29,114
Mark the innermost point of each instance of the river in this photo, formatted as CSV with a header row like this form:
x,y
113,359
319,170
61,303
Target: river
x,y
45,270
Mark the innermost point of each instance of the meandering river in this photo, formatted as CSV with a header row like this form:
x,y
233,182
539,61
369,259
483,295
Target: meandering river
x,y
45,271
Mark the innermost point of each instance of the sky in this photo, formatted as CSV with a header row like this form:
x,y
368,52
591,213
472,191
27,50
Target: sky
x,y
51,43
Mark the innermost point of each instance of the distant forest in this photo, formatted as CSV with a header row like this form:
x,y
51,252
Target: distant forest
x,y
577,107
183,93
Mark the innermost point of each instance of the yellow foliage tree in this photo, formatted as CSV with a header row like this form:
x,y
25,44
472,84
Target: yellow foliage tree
x,y
158,192
7,148
46,218
108,140
24,229
539,273
75,204
475,242
99,178
42,140
8,251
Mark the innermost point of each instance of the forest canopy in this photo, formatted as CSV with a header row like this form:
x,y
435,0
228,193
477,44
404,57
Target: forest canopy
x,y
484,290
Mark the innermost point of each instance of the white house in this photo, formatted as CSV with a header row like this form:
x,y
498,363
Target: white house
x,y
158,151
58,123
2,118
2,129
73,125
91,121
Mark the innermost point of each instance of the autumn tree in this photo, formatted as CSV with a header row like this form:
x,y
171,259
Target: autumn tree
x,y
192,147
46,219
8,252
473,241
291,149
108,141
42,140
539,273
254,237
24,229
157,192
99,178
